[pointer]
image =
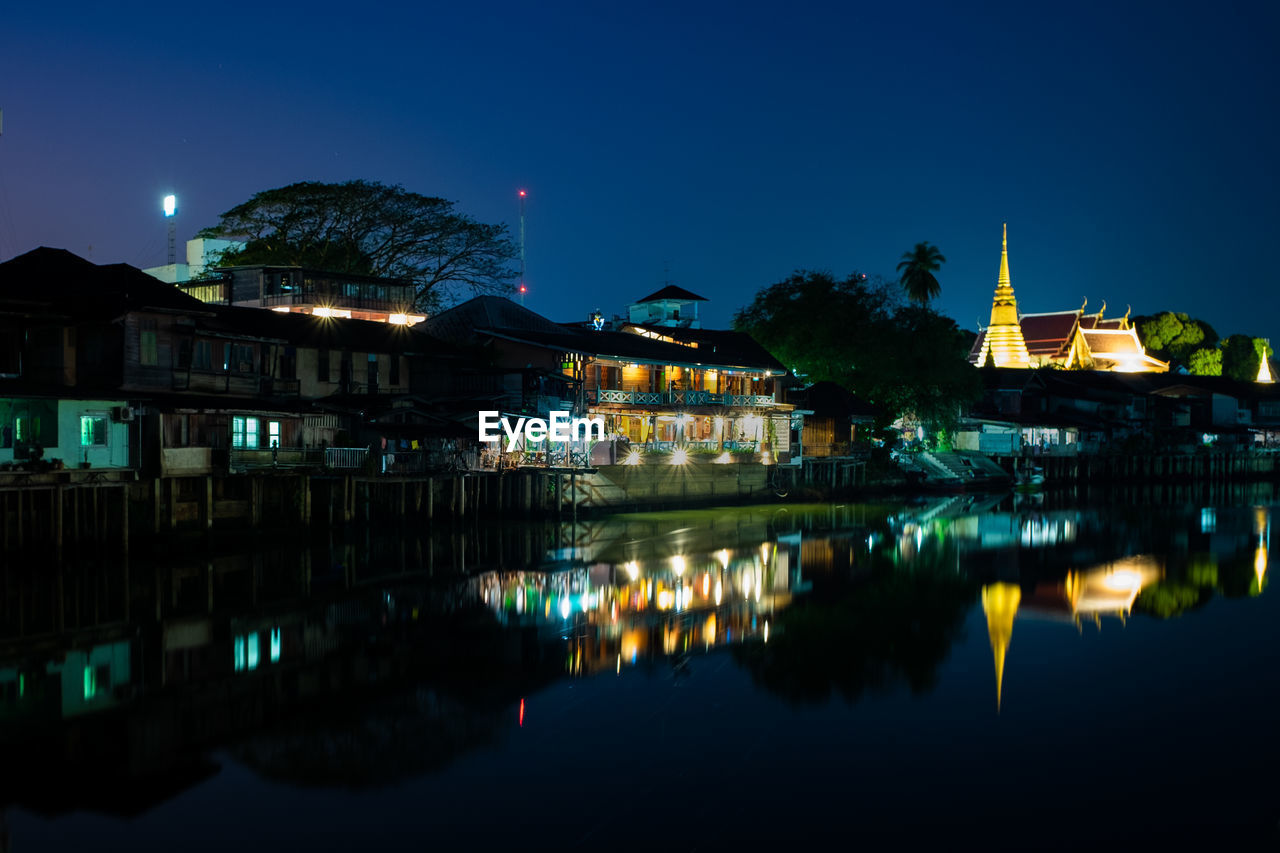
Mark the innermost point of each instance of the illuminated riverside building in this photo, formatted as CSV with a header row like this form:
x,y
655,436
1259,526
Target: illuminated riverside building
x,y
666,385
291,289
1070,339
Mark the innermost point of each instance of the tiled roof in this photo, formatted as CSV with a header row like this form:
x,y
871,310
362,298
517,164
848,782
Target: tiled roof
x,y
1101,342
485,312
671,292
1047,334
57,281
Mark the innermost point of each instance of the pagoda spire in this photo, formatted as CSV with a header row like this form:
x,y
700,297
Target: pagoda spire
x,y
1003,337
1004,280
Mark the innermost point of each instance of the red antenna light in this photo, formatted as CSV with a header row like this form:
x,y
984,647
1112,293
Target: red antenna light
x,y
524,289
521,713
521,193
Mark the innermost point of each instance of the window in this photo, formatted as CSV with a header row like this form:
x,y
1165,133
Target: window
x,y
244,433
93,431
273,433
322,366
289,364
10,352
202,356
184,353
241,359
148,351
373,373
393,375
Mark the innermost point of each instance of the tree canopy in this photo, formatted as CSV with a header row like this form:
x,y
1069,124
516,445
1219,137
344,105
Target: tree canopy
x,y
370,228
1242,356
917,270
1172,336
856,332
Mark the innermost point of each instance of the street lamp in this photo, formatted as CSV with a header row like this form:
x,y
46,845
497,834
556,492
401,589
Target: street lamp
x,y
170,211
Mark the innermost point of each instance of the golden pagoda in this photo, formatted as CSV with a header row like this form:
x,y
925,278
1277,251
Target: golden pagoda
x,y
1002,342
1000,603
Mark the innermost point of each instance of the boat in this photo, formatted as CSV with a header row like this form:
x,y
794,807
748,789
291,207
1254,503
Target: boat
x,y
1028,479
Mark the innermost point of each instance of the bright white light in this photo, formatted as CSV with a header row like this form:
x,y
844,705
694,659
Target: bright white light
x,y
679,457
633,458
1124,580
723,556
566,607
321,311
719,593
677,565
633,569
398,319
724,458
170,205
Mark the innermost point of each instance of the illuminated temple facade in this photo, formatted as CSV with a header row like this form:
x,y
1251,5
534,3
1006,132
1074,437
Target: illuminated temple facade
x,y
1070,339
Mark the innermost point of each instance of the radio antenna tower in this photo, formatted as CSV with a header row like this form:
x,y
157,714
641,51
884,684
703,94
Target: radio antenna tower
x,y
523,289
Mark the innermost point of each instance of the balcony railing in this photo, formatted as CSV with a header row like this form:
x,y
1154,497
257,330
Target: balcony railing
x,y
679,397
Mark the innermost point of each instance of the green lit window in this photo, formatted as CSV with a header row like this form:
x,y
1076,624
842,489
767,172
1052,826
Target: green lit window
x,y
93,431
244,432
275,644
239,644
253,651
90,683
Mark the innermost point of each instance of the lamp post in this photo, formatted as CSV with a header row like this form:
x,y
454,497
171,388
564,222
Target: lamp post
x,y
170,211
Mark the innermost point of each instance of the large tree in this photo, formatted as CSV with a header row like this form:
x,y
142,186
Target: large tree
x,y
1242,356
917,270
372,229
1174,336
856,332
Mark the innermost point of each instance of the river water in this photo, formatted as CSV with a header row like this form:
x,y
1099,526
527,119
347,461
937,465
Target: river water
x,y
1004,672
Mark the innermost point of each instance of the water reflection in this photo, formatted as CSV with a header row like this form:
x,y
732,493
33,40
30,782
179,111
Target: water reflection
x,y
368,661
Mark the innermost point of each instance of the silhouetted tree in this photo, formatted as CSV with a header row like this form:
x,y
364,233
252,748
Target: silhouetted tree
x,y
917,268
371,229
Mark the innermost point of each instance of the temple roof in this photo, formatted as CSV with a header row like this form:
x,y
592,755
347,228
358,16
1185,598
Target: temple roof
x,y
1048,334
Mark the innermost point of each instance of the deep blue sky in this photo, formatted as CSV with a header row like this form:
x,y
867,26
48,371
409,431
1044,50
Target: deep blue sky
x,y
1131,147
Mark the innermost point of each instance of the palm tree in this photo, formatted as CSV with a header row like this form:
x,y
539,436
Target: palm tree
x,y
917,268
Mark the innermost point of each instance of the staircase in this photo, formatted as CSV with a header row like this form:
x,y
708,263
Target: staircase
x,y
965,466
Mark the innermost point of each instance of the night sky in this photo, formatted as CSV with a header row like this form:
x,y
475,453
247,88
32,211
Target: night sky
x,y
1131,147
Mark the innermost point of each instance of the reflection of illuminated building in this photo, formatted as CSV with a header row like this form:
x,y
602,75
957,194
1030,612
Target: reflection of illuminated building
x,y
1110,591
1262,531
1107,590
615,614
1000,604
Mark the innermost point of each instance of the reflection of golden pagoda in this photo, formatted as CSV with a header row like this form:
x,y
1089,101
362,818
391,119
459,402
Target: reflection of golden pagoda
x,y
1000,603
1002,341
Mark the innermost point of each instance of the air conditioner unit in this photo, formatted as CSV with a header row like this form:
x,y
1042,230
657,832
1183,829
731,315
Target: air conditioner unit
x,y
122,414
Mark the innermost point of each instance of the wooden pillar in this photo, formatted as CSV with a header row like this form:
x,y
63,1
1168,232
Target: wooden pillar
x,y
57,494
207,504
124,541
